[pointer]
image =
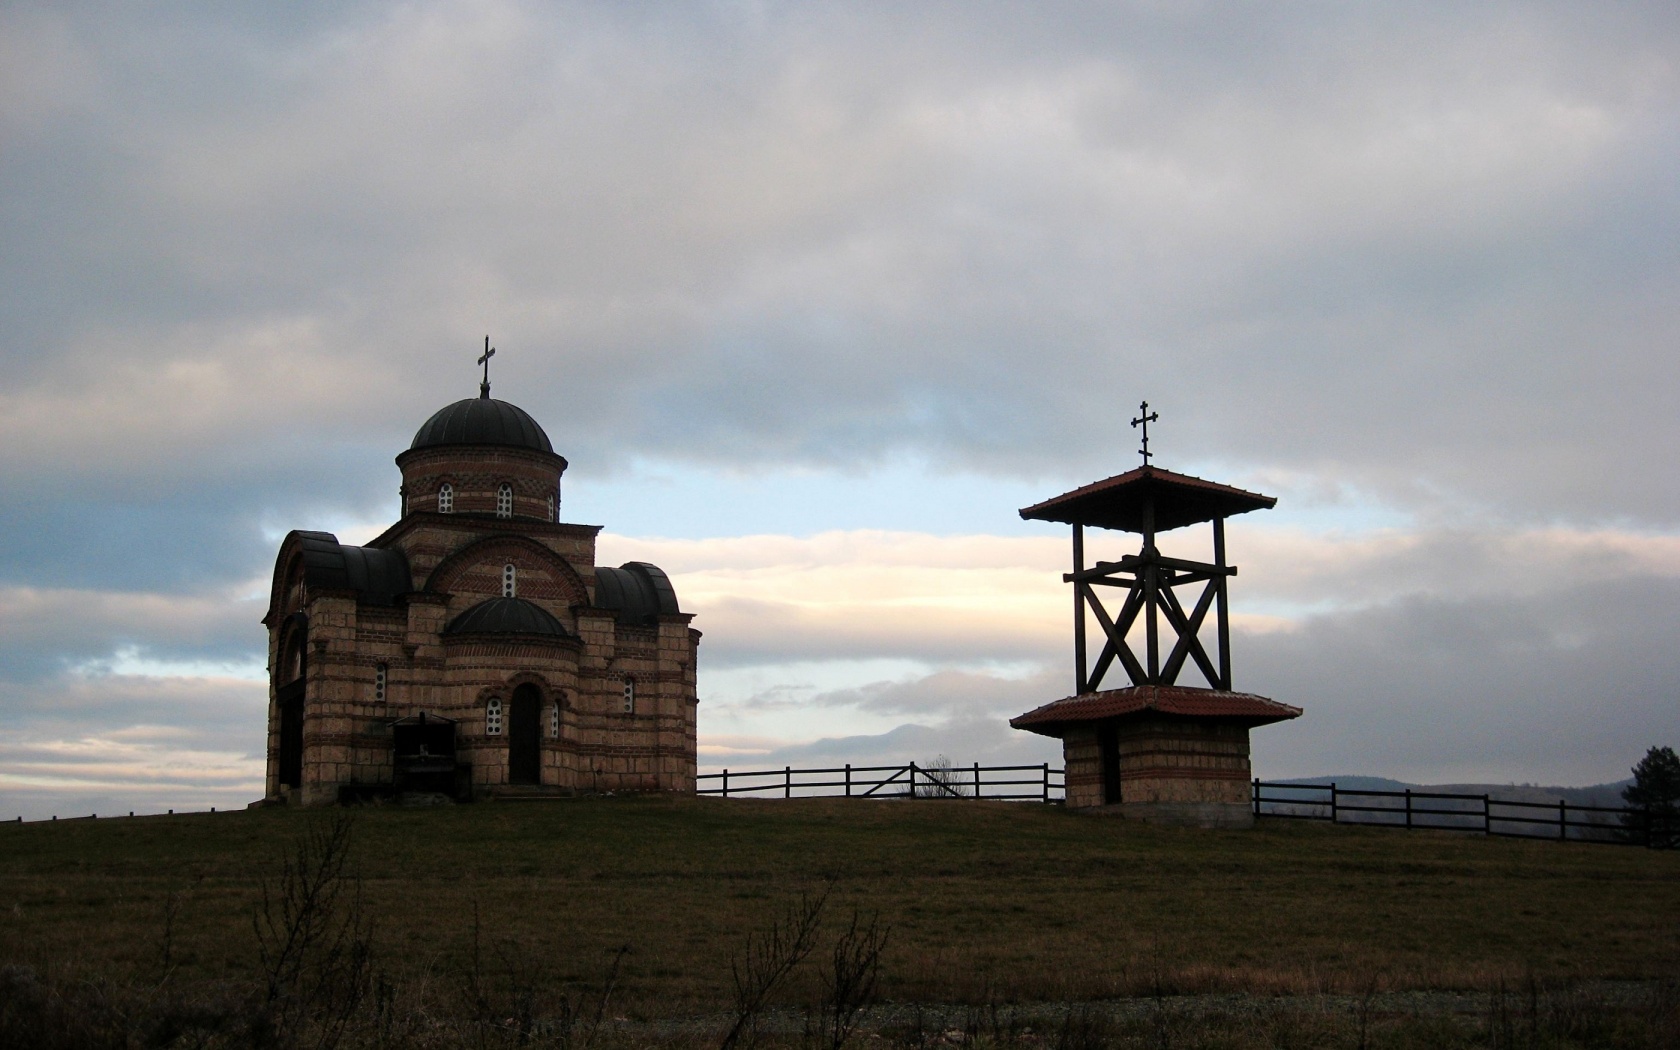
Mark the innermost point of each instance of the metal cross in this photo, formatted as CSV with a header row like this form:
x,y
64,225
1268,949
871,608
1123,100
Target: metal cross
x,y
1145,417
489,352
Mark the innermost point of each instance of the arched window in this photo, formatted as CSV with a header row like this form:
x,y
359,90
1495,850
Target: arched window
x,y
446,499
510,581
504,501
629,696
293,657
554,722
493,718
380,675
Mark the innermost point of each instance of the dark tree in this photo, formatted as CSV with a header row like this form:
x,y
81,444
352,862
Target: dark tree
x,y
1655,796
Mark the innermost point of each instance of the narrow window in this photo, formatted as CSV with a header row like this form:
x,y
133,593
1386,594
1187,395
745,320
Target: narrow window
x,y
446,499
554,722
629,696
510,582
504,501
380,674
551,510
493,718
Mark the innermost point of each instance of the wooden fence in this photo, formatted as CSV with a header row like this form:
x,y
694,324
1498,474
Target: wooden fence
x,y
1482,814
1009,783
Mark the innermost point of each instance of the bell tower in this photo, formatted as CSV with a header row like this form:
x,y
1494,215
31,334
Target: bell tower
x,y
1151,748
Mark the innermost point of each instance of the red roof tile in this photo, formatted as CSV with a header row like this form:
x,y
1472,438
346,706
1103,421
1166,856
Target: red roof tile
x,y
1185,701
1118,502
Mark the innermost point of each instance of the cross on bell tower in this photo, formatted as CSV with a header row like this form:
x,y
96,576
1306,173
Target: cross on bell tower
x,y
1153,748
1145,417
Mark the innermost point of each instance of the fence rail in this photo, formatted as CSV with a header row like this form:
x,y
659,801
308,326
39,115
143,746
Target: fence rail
x,y
1038,783
1482,814
1438,810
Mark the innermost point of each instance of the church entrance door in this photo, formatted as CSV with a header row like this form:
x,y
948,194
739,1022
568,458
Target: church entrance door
x,y
290,700
524,741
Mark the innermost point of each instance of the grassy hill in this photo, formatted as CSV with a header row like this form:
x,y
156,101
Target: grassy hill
x,y
984,901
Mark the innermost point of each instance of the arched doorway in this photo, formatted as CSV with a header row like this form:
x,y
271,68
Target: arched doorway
x,y
524,736
290,677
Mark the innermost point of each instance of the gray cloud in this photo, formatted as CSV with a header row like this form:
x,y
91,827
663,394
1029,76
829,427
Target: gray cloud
x,y
1570,684
961,741
963,695
44,633
1419,255
106,744
1388,246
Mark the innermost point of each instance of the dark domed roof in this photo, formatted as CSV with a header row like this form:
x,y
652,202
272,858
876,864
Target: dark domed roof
x,y
507,616
482,421
640,593
376,575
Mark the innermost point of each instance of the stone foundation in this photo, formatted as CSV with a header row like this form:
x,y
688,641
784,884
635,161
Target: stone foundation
x,y
1169,770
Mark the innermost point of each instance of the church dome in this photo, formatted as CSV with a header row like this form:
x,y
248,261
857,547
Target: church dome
x,y
507,616
482,421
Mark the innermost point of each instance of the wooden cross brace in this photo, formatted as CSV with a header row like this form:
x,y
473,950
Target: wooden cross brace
x,y
1134,573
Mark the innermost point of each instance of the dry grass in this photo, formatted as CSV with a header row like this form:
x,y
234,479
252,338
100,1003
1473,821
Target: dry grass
x,y
986,902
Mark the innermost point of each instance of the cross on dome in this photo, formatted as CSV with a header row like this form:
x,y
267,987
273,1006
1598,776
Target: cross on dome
x,y
489,352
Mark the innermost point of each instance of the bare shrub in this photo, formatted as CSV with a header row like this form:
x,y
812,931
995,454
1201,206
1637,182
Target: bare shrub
x,y
314,944
766,958
516,1007
942,779
851,980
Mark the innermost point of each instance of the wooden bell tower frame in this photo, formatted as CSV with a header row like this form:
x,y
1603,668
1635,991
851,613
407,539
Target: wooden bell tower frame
x,y
1148,501
1154,748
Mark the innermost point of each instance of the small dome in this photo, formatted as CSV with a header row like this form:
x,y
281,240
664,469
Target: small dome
x,y
640,593
482,421
376,575
507,616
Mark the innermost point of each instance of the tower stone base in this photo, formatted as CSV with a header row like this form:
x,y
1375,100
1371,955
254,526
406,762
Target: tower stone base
x,y
1161,754
1161,770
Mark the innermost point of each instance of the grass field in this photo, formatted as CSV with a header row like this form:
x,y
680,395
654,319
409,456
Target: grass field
x,y
985,902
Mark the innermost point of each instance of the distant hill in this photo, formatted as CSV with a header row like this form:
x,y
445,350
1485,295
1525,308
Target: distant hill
x,y
1593,795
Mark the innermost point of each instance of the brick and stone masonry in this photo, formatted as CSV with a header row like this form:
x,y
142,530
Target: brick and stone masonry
x,y
476,603
1172,754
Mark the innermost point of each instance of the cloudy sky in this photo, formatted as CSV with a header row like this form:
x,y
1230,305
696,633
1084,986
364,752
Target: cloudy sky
x,y
814,297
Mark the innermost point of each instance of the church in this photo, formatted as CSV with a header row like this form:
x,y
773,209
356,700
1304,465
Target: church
x,y
474,649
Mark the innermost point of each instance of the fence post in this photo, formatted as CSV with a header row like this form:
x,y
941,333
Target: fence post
x,y
976,780
848,780
912,793
1563,821
1487,816
1047,782
726,783
1408,807
1257,796
787,782
1334,805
